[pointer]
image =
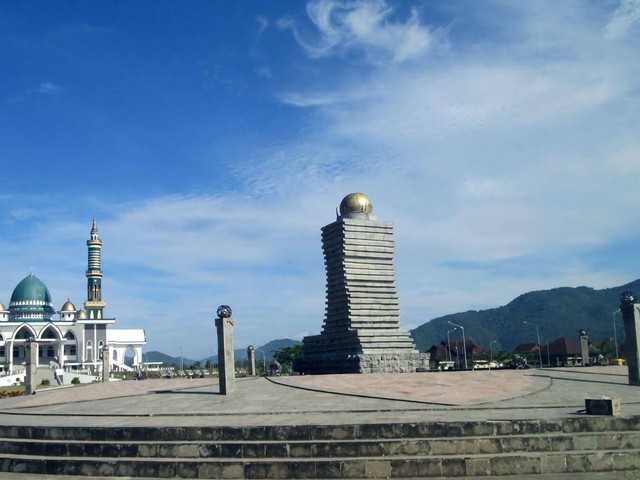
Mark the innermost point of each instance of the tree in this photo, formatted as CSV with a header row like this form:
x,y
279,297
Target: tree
x,y
286,356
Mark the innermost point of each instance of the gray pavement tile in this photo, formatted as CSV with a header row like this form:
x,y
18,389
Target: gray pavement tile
x,y
327,399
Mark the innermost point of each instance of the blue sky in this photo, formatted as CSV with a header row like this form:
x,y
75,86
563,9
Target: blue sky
x,y
213,140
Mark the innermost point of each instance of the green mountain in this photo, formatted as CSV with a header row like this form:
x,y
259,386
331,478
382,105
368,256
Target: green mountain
x,y
269,349
166,359
240,354
275,345
557,312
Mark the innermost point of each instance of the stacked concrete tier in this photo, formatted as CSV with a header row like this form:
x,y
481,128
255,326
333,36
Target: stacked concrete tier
x,y
396,450
361,331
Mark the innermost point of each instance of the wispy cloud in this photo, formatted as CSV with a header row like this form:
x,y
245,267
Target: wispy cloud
x,y
47,87
625,17
44,88
364,26
503,150
309,100
505,163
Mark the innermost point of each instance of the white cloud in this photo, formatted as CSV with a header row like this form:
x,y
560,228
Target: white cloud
x,y
309,100
625,17
507,149
503,166
47,87
365,26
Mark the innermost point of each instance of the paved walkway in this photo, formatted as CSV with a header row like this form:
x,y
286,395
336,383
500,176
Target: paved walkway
x,y
327,399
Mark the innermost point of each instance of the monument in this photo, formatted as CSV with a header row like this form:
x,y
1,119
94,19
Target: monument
x,y
106,367
361,330
251,360
584,348
31,348
631,318
226,362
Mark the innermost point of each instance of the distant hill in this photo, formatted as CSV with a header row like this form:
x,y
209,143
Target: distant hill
x,y
268,348
557,312
240,354
275,345
166,359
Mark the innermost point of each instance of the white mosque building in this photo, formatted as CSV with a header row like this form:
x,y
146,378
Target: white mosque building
x,y
70,338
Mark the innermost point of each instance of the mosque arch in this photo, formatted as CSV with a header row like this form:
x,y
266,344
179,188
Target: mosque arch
x,y
70,346
130,349
24,332
51,332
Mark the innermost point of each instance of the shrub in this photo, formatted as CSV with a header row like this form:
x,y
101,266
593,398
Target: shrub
x,y
75,381
45,381
10,393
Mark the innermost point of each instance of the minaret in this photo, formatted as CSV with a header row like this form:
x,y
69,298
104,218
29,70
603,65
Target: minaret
x,y
94,304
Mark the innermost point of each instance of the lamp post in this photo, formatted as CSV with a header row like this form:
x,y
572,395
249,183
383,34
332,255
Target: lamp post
x,y
539,346
548,358
457,357
449,341
615,335
464,343
491,352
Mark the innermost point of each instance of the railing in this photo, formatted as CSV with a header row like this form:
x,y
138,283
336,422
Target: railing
x,y
15,371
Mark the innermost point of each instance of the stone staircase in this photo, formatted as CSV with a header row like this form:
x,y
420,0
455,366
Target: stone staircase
x,y
397,450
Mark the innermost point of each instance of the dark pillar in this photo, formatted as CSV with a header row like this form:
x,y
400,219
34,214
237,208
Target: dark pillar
x,y
631,318
226,362
251,357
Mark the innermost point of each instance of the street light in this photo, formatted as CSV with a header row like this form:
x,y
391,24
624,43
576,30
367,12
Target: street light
x,y
464,342
539,346
548,357
615,335
491,352
449,341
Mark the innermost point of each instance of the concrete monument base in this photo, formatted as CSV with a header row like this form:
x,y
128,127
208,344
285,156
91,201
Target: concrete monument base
x,y
331,363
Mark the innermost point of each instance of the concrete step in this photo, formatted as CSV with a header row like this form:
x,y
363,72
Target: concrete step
x,y
431,430
624,475
325,448
365,467
394,450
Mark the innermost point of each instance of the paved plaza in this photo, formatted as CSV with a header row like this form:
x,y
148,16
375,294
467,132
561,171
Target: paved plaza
x,y
331,400
327,399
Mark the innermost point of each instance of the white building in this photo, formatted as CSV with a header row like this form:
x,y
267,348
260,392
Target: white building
x,y
70,338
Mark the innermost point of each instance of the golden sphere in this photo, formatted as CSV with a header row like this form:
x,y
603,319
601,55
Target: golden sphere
x,y
356,203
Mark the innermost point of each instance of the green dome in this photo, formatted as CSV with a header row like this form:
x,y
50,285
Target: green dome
x,y
31,300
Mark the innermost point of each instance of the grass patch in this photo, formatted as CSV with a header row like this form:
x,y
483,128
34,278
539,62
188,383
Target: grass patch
x,y
11,391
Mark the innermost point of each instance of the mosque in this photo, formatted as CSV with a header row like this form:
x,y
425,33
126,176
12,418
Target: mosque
x,y
70,338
